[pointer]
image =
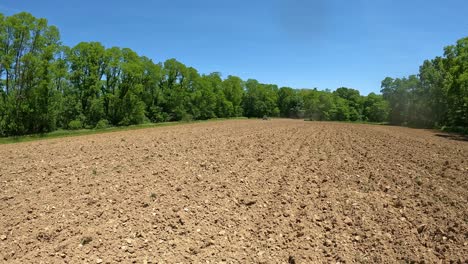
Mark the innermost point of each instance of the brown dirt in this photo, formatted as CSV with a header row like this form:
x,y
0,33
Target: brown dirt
x,y
245,191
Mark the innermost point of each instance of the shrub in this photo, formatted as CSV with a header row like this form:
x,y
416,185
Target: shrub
x,y
186,117
75,124
103,123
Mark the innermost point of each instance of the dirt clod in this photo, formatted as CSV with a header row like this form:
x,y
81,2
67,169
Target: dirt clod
x,y
421,228
348,221
85,240
250,202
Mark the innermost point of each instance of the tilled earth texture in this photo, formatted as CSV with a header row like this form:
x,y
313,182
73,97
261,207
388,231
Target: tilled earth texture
x,y
240,191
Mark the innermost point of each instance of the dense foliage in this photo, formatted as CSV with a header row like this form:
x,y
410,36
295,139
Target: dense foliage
x,y
45,85
437,97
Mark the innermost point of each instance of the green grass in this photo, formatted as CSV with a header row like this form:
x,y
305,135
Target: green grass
x,y
72,133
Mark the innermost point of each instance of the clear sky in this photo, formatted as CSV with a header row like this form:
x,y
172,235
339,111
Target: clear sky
x,y
296,43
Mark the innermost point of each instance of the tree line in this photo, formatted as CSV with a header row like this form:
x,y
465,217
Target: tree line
x,y
45,85
437,96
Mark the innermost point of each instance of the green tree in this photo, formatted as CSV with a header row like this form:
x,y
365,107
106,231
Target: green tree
x,y
376,109
400,95
353,100
290,103
88,65
233,89
260,99
153,96
176,87
204,99
131,108
28,48
456,66
434,91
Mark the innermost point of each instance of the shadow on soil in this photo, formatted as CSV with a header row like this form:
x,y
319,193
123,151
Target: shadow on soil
x,y
453,137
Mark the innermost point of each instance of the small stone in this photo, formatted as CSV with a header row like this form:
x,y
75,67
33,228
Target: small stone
x,y
3,237
419,181
348,221
98,260
327,243
85,240
222,232
421,228
357,238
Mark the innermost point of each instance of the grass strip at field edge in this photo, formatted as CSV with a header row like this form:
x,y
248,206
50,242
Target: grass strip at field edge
x,y
83,132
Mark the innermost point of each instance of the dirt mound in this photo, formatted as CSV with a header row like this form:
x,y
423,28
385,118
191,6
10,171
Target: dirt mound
x,y
242,191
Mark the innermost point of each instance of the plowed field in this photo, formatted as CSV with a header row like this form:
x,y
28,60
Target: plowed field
x,y
243,191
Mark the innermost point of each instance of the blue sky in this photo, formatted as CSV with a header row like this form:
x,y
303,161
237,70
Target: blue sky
x,y
296,43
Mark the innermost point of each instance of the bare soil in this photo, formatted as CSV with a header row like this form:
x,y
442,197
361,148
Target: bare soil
x,y
243,191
